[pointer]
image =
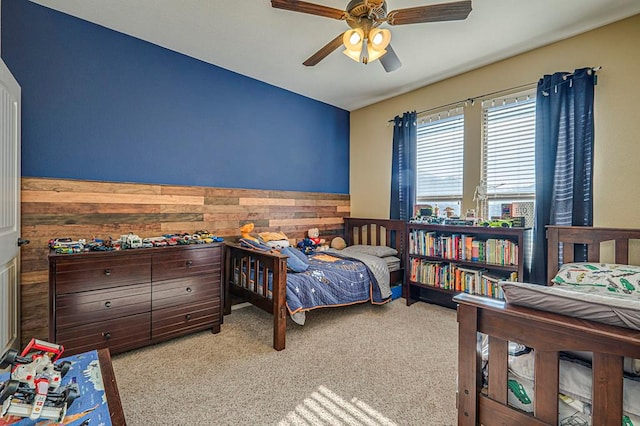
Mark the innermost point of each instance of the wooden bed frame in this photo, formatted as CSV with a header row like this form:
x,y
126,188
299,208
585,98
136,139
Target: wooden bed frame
x,y
356,231
548,334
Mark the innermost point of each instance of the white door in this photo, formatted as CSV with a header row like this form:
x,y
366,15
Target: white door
x,y
9,209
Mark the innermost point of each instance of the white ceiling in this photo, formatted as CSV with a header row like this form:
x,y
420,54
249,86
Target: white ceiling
x,y
254,39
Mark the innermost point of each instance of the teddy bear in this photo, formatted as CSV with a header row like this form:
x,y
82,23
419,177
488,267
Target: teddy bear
x,y
314,236
319,243
312,242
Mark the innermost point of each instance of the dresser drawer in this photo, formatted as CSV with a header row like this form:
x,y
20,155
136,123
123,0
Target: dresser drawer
x,y
184,291
85,274
183,319
100,305
188,262
118,335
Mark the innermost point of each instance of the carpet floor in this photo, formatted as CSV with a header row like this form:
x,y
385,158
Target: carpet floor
x,y
354,365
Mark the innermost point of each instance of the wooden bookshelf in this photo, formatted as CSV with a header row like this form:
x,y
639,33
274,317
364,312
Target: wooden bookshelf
x,y
442,261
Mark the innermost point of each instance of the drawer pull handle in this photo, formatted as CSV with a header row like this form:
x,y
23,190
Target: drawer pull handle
x,y
188,317
189,263
188,289
107,272
106,335
107,304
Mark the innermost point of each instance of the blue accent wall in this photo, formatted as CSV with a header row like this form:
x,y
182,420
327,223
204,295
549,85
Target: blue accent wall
x,y
101,105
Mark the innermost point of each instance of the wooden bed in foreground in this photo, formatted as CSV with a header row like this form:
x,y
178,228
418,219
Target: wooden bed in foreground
x,y
548,334
374,232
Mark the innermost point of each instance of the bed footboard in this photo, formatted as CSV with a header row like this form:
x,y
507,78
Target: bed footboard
x,y
548,334
260,278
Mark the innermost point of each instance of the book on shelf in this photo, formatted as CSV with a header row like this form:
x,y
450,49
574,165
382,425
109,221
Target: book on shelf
x,y
489,287
464,247
451,276
467,279
433,274
468,247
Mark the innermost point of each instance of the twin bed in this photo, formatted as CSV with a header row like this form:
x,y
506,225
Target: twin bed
x,y
491,373
362,272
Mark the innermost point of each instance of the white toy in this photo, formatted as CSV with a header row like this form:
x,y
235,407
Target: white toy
x,y
33,389
130,241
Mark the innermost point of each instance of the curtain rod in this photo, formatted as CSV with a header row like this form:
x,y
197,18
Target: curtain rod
x,y
473,99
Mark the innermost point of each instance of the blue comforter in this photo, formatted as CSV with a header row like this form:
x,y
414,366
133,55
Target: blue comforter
x,y
331,280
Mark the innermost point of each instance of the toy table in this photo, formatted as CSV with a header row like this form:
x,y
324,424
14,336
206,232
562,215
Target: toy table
x,y
99,401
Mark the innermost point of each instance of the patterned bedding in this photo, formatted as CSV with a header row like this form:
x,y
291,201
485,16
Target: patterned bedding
x,y
334,280
608,293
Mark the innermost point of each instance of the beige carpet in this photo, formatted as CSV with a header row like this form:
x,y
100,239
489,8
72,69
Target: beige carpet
x,y
357,365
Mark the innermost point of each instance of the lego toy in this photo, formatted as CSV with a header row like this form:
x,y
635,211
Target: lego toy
x,y
497,223
67,245
208,237
130,241
34,388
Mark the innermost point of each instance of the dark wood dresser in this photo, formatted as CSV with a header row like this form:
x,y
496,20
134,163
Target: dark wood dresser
x,y
127,299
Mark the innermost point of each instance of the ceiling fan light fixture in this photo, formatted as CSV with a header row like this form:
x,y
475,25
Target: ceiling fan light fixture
x,y
365,49
352,39
380,38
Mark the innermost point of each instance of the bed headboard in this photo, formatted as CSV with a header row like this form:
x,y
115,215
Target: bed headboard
x,y
375,232
562,240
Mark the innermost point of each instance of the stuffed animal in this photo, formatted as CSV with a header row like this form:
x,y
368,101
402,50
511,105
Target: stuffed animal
x,y
338,243
307,246
314,236
244,231
276,240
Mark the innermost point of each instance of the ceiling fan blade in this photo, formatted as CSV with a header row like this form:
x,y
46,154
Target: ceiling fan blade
x,y
324,51
311,8
390,61
433,13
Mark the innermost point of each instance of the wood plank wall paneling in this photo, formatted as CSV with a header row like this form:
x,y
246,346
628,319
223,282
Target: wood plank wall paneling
x,y
53,208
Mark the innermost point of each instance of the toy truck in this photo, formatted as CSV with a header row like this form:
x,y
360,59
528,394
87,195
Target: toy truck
x,y
130,241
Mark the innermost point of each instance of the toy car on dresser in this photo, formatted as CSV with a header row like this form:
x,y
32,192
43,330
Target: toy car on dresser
x,y
34,388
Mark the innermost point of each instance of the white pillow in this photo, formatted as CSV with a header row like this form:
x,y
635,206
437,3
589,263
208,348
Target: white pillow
x,y
378,251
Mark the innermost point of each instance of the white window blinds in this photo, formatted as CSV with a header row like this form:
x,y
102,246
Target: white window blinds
x,y
440,155
509,146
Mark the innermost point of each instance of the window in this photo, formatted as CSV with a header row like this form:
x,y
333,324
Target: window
x,y
508,147
439,160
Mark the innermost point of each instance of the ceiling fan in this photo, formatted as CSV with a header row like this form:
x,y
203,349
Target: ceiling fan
x,y
365,42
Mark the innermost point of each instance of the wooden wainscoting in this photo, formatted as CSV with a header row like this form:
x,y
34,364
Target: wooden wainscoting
x,y
53,208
